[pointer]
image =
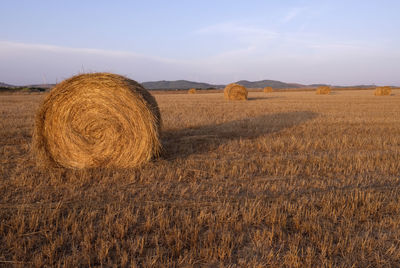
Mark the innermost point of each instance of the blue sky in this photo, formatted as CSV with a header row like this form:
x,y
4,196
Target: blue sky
x,y
336,42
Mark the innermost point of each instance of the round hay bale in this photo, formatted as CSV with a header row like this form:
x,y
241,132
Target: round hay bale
x,y
323,90
97,120
383,91
235,92
268,90
192,91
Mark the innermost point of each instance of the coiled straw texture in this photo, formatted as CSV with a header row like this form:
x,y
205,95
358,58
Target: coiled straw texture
x,y
235,92
323,90
97,120
268,90
383,91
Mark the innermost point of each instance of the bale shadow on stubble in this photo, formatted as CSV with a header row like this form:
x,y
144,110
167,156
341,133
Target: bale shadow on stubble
x,y
184,142
264,98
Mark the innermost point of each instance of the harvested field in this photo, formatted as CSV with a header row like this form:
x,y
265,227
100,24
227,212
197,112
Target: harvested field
x,y
283,179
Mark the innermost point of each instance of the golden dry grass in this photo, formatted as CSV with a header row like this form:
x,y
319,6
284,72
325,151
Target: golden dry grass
x,y
97,120
291,180
235,92
383,91
323,90
192,91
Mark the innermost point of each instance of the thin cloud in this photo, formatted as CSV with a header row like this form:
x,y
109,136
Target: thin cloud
x,y
245,34
293,13
17,46
255,41
233,28
24,63
339,46
291,57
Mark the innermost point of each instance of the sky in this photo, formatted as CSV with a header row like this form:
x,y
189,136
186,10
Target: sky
x,y
338,42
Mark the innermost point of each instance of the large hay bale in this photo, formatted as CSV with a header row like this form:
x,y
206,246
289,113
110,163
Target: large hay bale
x,y
97,120
235,92
268,90
192,91
323,90
383,91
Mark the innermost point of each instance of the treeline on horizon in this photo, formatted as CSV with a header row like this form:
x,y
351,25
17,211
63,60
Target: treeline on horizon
x,y
23,89
186,85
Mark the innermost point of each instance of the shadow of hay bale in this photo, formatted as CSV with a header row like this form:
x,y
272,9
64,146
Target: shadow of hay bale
x,y
264,98
184,142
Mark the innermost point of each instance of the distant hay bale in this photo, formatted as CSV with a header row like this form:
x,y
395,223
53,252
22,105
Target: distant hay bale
x,y
268,90
192,91
97,120
323,90
235,92
383,91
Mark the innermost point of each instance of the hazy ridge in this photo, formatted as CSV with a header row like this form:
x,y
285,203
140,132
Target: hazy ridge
x,y
185,84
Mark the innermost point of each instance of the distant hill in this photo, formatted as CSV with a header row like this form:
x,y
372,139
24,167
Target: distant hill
x,y
185,84
46,86
178,84
317,85
268,83
359,86
5,85
29,88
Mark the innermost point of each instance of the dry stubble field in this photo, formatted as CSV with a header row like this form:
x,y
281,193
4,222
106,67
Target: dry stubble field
x,y
285,179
